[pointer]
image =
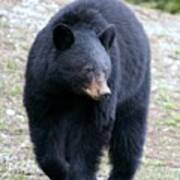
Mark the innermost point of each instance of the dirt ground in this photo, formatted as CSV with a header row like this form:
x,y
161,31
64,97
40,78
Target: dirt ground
x,y
20,20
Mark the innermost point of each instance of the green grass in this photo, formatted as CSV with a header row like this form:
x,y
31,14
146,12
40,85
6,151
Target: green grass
x,y
154,172
172,6
165,100
11,65
18,177
169,107
3,23
15,177
177,51
155,169
16,91
173,120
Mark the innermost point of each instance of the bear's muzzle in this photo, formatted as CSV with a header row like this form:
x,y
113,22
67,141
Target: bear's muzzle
x,y
97,88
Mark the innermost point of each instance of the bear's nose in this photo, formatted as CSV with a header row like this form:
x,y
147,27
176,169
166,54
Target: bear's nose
x,y
98,88
104,89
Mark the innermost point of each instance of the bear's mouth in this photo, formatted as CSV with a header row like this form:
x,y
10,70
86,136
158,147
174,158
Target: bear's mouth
x,y
97,88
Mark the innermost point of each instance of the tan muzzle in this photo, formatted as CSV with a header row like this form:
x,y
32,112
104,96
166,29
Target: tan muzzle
x,y
97,88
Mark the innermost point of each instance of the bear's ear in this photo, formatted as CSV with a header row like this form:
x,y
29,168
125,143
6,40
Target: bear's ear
x,y
107,36
63,37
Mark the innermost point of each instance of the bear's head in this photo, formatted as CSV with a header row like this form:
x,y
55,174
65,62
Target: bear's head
x,y
82,59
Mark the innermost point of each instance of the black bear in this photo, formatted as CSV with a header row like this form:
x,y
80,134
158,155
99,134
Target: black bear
x,y
87,87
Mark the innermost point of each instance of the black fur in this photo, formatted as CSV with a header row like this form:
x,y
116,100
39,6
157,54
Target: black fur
x,y
68,128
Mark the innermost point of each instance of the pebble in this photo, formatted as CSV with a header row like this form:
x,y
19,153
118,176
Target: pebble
x,y
10,112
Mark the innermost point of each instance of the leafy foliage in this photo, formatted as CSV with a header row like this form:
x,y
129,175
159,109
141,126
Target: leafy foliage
x,y
172,6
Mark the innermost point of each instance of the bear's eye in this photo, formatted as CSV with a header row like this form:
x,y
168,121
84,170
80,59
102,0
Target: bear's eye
x,y
88,68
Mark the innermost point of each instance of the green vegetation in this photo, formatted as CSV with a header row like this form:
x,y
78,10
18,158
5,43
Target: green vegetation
x,y
17,177
172,6
172,121
177,52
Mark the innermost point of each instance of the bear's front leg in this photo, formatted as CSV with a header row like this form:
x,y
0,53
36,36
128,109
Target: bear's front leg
x,y
128,137
48,139
84,148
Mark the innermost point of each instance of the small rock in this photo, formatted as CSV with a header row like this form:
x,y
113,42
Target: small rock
x,y
10,112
